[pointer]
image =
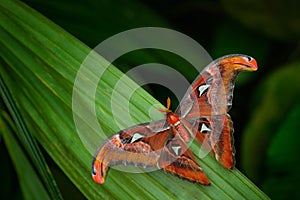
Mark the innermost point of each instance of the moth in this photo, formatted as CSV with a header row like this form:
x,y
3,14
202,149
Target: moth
x,y
201,115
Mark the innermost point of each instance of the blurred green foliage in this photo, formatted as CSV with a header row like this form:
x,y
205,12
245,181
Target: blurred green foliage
x,y
266,103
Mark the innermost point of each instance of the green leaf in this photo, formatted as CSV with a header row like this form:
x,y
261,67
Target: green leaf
x,y
30,144
43,60
34,188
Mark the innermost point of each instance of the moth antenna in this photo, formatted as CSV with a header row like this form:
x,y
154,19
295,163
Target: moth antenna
x,y
168,106
168,103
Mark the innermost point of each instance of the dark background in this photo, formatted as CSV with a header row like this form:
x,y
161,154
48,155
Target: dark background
x,y
266,106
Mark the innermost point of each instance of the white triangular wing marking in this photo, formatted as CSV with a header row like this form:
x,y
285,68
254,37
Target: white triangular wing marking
x,y
136,136
204,128
176,149
202,89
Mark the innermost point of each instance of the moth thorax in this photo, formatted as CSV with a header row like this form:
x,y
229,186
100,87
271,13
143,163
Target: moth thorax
x,y
172,118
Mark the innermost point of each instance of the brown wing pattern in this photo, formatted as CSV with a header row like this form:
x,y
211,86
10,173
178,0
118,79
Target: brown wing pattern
x,y
215,134
176,158
212,91
202,115
147,145
138,145
207,102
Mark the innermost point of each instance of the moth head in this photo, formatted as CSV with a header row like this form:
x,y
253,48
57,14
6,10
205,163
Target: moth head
x,y
239,63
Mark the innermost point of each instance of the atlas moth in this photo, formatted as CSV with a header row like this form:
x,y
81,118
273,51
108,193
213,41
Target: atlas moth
x,y
201,115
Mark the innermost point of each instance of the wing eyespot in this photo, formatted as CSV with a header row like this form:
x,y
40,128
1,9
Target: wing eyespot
x,y
249,58
94,171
